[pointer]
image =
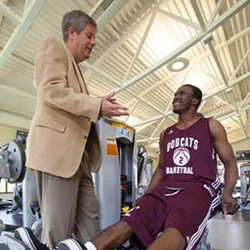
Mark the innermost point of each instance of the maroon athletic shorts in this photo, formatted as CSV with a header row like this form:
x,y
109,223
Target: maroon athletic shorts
x,y
186,208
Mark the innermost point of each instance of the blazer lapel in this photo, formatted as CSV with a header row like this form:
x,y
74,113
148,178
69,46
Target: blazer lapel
x,y
81,81
79,76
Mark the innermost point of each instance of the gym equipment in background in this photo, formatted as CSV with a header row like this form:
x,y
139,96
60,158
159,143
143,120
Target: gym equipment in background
x,y
12,162
245,185
116,181
13,169
145,170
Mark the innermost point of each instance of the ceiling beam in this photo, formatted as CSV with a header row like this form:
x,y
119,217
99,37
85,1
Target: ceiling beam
x,y
139,47
187,45
215,11
10,14
20,31
179,19
96,7
109,13
118,43
208,40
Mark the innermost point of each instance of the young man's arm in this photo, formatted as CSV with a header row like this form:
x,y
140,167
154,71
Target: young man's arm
x,y
159,172
226,154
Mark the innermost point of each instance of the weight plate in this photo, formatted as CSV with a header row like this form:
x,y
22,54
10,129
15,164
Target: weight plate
x,y
16,161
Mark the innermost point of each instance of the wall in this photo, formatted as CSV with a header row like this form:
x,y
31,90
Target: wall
x,y
8,133
241,145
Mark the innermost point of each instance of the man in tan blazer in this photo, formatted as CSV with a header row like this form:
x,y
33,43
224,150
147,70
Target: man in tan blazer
x,y
63,145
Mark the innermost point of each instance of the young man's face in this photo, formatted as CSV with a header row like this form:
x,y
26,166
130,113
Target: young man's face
x,y
183,99
83,43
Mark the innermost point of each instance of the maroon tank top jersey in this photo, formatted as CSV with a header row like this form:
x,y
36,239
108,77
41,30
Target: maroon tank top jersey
x,y
189,193
189,155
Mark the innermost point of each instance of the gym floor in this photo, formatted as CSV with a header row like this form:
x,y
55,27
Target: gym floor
x,y
225,232
230,232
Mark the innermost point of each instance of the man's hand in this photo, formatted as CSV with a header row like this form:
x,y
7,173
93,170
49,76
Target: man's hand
x,y
229,204
110,107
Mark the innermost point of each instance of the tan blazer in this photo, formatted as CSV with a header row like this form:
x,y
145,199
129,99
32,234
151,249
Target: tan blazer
x,y
62,126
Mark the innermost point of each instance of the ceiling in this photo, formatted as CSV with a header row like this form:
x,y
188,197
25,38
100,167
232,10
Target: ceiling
x,y
136,42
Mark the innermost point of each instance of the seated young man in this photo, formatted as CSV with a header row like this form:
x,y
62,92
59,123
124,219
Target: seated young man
x,y
184,191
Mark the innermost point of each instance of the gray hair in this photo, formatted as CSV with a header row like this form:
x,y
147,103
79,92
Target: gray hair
x,y
76,19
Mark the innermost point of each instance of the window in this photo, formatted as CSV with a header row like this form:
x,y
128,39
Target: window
x,y
6,187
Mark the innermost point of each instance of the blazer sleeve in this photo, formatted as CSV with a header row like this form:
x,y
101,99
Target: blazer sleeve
x,y
51,68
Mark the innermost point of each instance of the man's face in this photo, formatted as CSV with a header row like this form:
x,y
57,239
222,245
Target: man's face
x,y
183,99
83,43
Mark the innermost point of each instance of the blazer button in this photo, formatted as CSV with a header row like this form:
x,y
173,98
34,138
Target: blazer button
x,y
85,137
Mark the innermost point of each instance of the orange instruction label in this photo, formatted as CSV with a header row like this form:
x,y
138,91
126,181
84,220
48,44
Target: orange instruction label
x,y
112,147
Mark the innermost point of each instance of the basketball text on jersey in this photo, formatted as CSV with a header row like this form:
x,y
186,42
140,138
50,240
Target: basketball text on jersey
x,y
179,170
187,142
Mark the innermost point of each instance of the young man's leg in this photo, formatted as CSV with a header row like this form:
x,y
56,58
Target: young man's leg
x,y
110,238
113,236
170,239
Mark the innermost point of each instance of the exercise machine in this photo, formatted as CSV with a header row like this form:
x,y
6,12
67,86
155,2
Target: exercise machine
x,y
13,169
145,170
245,185
116,181
12,162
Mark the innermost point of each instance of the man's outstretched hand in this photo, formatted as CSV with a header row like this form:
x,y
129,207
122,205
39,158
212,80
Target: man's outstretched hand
x,y
110,107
